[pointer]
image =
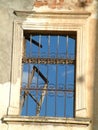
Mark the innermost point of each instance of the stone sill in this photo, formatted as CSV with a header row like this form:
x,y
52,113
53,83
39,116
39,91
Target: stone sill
x,y
46,120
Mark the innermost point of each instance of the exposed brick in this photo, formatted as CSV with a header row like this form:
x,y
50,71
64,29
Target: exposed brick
x,y
38,3
88,1
61,1
50,3
59,5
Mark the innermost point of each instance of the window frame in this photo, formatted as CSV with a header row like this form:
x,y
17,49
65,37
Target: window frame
x,y
52,21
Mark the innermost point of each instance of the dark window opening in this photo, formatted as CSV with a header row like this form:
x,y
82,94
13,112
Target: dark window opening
x,y
48,74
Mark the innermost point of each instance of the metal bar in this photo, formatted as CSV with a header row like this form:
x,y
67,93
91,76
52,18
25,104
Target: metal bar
x,y
48,61
66,90
57,48
44,90
34,67
67,39
49,46
22,101
31,75
30,81
67,46
39,73
35,42
43,93
46,101
34,98
24,97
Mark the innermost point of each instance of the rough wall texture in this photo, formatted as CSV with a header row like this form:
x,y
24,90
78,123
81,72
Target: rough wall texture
x,y
6,48
6,30
60,3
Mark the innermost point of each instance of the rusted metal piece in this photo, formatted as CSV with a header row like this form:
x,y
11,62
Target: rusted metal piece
x,y
48,61
44,91
24,96
34,99
35,42
26,93
48,89
40,74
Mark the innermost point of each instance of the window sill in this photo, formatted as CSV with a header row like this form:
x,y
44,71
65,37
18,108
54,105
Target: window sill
x,y
46,120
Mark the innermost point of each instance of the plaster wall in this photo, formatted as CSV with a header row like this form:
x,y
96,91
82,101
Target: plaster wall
x,y
6,49
6,37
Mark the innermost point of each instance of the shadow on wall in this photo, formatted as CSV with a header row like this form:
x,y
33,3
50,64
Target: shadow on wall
x,y
95,86
81,79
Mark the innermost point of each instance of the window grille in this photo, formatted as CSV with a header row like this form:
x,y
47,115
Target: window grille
x,y
48,75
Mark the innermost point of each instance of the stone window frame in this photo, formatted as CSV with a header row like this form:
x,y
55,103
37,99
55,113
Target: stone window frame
x,y
66,21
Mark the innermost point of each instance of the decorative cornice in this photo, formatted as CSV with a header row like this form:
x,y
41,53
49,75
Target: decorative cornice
x,y
64,14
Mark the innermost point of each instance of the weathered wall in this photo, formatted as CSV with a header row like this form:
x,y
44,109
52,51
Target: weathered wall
x,y
95,85
6,49
6,30
92,71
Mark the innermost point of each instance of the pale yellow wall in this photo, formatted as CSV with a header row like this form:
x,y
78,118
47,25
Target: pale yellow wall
x,y
9,92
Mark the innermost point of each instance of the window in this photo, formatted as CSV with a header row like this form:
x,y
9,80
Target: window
x,y
48,77
69,26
